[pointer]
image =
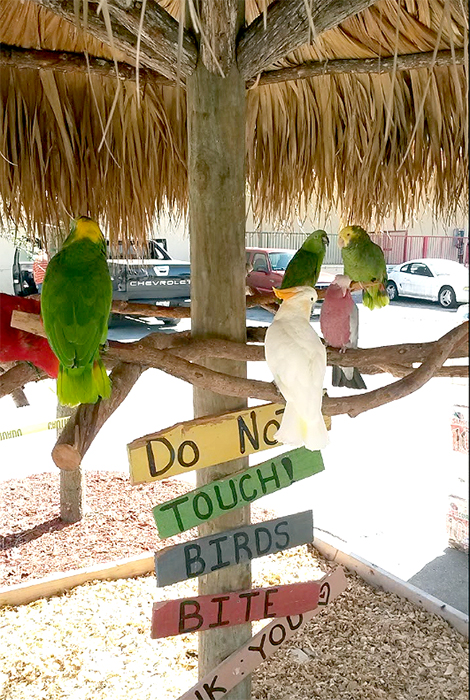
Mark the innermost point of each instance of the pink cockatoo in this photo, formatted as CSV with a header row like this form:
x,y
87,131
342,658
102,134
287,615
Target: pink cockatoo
x,y
339,323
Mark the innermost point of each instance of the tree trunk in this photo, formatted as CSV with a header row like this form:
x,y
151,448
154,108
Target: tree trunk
x,y
72,483
216,132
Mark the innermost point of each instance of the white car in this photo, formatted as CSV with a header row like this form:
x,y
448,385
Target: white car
x,y
434,279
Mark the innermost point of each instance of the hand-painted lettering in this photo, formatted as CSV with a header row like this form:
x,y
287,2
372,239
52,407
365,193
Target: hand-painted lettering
x,y
259,549
260,647
192,445
274,639
242,489
239,546
194,615
220,562
287,464
201,496
192,560
248,595
243,429
210,690
278,531
263,480
291,624
151,459
276,425
267,603
220,501
220,601
174,505
223,495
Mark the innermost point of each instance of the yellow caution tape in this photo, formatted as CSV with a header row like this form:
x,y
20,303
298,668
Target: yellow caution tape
x,y
28,429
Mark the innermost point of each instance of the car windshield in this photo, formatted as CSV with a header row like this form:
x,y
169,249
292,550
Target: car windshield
x,y
279,261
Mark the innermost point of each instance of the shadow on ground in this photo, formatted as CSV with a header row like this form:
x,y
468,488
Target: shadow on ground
x,y
446,578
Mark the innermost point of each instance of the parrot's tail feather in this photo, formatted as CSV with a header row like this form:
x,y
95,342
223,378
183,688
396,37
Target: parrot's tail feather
x,y
351,379
297,431
83,384
375,297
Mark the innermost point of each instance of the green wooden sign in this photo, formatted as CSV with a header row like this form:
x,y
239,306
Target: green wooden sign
x,y
236,491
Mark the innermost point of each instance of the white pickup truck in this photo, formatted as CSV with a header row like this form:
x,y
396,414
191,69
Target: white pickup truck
x,y
149,277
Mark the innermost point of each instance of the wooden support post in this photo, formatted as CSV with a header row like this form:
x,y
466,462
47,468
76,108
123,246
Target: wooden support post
x,y
216,134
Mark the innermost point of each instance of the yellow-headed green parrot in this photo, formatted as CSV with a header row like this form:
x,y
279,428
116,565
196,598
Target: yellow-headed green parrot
x,y
75,306
364,262
304,268
297,359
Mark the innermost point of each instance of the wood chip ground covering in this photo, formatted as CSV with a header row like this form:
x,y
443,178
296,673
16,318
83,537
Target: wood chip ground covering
x,y
93,642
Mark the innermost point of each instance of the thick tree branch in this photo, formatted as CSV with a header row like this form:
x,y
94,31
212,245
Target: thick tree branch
x,y
68,62
198,375
354,405
88,419
159,48
19,375
312,69
288,28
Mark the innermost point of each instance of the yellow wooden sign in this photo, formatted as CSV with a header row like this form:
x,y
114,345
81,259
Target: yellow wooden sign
x,y
204,442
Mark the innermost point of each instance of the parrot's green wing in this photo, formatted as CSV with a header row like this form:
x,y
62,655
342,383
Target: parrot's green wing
x,y
75,306
364,261
304,268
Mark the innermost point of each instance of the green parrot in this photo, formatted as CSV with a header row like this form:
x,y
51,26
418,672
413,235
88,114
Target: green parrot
x,y
364,262
304,268
75,306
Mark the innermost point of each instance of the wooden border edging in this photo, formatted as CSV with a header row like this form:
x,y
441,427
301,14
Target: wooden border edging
x,y
377,577
59,583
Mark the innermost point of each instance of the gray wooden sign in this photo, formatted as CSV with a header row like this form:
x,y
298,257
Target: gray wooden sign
x,y
206,554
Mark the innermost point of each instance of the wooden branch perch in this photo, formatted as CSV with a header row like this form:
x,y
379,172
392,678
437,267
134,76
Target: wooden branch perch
x,y
354,405
288,28
19,375
88,419
171,353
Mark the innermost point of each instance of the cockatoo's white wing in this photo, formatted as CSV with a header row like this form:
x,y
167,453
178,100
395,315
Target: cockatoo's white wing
x,y
297,360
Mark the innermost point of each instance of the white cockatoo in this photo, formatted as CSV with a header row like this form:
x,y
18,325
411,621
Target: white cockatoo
x,y
297,358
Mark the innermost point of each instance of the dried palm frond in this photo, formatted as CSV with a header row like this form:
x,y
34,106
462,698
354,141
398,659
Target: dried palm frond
x,y
371,145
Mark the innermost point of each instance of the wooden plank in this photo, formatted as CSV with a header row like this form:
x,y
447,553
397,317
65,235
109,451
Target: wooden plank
x,y
248,657
54,584
242,544
240,489
203,442
171,617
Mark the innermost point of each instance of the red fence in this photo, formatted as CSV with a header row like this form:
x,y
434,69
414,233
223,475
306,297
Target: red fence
x,y
398,246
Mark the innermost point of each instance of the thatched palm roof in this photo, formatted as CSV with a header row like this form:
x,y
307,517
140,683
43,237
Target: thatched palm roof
x,y
370,143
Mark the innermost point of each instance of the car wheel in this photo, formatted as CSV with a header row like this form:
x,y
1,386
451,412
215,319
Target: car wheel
x,y
170,322
447,297
392,291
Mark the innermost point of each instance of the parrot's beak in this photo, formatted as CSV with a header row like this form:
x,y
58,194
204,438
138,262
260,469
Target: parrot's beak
x,y
285,293
341,241
325,239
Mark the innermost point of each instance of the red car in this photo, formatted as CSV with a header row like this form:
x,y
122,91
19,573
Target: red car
x,y
268,268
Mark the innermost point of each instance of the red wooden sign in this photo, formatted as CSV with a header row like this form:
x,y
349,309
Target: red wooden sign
x,y
226,609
